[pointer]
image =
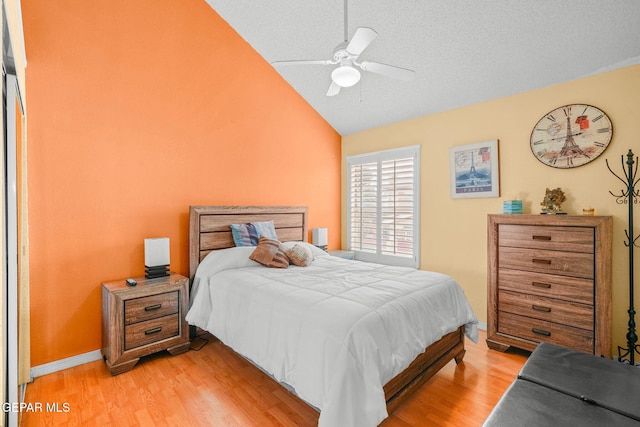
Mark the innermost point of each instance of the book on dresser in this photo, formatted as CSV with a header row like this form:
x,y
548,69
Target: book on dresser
x,y
549,279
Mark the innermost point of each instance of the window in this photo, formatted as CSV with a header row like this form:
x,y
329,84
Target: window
x,y
383,201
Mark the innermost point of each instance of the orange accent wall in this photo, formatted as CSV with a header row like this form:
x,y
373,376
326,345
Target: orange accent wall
x,y
136,110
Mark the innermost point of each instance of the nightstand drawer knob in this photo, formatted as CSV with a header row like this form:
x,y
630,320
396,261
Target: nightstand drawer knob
x,y
541,332
541,261
541,237
153,331
153,307
541,308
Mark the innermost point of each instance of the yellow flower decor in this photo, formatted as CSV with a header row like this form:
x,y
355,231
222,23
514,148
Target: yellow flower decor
x,y
552,202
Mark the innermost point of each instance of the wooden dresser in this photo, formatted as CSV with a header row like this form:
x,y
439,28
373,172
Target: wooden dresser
x,y
143,319
549,279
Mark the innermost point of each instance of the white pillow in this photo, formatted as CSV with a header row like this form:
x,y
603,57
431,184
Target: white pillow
x,y
315,251
299,255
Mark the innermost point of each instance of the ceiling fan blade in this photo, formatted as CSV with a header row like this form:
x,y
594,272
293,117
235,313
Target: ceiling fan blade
x,y
334,89
361,39
304,62
388,70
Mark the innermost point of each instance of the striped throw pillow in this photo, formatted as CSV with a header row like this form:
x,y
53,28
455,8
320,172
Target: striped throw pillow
x,y
249,233
270,253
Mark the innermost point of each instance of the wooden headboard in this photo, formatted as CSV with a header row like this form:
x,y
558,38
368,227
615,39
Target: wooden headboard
x,y
209,226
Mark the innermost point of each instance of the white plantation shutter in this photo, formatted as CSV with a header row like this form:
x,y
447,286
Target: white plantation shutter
x,y
364,207
383,203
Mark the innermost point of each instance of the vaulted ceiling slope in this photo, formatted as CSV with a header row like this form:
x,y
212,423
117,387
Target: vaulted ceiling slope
x,y
463,51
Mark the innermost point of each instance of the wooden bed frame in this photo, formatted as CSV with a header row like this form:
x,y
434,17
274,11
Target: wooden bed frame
x,y
209,230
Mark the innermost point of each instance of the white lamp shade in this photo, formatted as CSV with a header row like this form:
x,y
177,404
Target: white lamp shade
x,y
319,236
156,252
345,76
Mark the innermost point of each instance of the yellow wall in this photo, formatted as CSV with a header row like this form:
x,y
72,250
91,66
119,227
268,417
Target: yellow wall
x,y
453,234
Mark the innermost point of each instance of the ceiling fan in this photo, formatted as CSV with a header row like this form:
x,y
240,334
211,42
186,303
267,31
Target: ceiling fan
x,y
346,56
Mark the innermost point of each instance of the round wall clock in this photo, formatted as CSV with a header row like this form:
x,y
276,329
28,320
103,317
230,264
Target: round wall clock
x,y
571,136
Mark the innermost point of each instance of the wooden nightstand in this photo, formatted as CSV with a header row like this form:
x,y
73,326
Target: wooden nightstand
x,y
143,319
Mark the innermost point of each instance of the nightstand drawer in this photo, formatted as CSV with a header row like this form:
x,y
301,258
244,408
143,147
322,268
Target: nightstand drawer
x,y
552,262
570,239
549,309
151,307
151,331
540,330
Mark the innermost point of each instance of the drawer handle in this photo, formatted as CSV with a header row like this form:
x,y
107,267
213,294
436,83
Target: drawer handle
x,y
541,332
152,307
541,237
153,331
541,308
541,261
541,285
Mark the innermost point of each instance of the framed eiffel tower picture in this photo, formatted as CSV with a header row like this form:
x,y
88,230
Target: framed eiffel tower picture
x,y
474,170
571,136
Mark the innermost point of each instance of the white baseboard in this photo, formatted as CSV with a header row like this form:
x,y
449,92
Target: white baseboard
x,y
482,326
69,362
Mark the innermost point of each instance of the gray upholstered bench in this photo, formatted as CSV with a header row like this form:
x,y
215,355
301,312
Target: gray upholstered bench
x,y
558,386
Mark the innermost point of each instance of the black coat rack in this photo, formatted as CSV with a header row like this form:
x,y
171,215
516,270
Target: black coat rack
x,y
629,196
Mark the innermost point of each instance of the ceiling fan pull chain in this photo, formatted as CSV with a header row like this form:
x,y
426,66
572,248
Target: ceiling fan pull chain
x,y
346,30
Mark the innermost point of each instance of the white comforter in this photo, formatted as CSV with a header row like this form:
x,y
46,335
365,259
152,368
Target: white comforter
x,y
335,331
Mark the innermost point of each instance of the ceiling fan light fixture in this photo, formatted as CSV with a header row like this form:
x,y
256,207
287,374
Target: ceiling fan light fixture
x,y
345,76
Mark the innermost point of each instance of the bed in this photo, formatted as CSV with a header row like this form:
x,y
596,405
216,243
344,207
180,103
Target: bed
x,y
326,331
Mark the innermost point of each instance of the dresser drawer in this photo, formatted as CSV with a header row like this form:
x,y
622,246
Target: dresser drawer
x,y
551,262
549,285
151,307
151,331
571,239
548,309
539,330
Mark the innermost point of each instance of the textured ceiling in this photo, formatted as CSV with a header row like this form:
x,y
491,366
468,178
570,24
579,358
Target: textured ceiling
x,y
463,51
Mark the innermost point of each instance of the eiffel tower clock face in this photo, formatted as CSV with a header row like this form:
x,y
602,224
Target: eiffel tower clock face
x,y
571,136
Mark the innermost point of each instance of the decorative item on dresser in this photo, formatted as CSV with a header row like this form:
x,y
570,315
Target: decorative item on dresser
x,y
549,279
552,202
143,319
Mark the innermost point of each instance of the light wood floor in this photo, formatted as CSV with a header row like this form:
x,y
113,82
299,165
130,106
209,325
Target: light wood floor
x,y
215,387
